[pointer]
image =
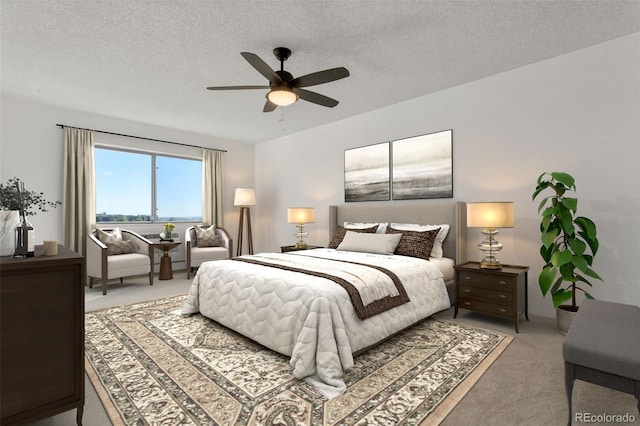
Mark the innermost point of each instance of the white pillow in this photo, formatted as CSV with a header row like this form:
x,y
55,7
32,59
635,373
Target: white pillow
x,y
109,237
370,243
436,251
382,226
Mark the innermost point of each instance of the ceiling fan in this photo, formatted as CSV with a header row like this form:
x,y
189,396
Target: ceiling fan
x,y
284,89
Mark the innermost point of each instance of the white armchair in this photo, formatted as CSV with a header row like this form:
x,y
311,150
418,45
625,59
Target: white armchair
x,y
195,255
104,266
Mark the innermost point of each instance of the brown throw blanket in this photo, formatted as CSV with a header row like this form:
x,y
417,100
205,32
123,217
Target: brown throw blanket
x,y
363,311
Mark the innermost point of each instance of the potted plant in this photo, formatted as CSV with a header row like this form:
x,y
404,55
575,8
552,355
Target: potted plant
x,y
16,201
569,245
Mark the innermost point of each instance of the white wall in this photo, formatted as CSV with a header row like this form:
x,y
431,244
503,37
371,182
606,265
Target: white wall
x,y
578,113
31,148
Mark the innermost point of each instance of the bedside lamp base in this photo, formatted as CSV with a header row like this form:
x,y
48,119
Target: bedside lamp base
x,y
301,244
488,263
491,246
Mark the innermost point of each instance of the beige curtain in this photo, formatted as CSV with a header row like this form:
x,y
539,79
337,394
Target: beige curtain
x,y
212,187
78,197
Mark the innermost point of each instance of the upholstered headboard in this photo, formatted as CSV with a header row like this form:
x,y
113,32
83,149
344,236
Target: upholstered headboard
x,y
422,212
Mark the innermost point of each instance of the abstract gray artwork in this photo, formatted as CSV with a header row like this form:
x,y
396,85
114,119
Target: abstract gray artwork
x,y
367,173
423,166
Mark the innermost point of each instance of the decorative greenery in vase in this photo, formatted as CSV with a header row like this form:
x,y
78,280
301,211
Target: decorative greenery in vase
x,y
569,242
27,202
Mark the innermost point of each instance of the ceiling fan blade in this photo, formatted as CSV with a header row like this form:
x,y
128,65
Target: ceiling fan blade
x,y
320,77
262,67
316,98
236,87
269,106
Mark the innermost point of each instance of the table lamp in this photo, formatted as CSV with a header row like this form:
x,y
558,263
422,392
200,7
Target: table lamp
x,y
300,216
490,216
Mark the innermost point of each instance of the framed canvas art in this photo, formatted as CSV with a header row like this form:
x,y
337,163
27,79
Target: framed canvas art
x,y
367,173
423,166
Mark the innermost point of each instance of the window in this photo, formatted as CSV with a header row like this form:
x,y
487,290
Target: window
x,y
178,189
131,186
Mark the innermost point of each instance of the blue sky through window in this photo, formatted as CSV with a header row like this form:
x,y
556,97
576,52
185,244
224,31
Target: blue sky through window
x,y
124,187
179,189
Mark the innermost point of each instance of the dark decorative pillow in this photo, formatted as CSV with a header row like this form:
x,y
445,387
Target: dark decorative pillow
x,y
415,243
206,237
120,247
341,231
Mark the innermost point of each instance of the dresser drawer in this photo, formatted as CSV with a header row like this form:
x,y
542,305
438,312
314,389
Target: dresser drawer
x,y
486,280
476,292
488,307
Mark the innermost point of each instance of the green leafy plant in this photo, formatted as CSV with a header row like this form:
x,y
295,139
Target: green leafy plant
x,y
569,242
32,201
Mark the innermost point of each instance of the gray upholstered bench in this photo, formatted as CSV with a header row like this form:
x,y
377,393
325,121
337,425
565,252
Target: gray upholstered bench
x,y
603,347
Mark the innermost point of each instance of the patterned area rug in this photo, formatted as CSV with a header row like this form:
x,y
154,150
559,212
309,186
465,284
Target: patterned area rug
x,y
151,366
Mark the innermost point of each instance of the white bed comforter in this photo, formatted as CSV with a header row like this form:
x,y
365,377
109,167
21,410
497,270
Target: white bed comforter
x,y
309,318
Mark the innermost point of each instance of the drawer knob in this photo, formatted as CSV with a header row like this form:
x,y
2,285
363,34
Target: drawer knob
x,y
467,277
502,282
502,296
503,310
467,303
466,290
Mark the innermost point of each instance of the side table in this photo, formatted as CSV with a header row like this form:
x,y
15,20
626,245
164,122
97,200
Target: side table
x,y
502,292
284,249
166,270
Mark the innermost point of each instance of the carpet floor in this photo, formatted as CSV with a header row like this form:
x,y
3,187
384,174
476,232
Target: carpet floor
x,y
524,386
150,365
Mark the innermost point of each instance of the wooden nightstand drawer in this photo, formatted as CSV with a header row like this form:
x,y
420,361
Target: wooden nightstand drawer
x,y
473,292
488,307
485,280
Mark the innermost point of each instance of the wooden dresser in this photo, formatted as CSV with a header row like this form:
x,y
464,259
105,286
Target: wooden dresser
x,y
41,336
501,292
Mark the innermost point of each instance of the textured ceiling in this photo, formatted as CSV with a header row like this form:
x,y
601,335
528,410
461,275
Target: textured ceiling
x,y
150,61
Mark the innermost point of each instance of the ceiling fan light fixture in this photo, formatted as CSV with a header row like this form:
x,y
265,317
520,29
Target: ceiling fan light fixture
x,y
283,88
282,96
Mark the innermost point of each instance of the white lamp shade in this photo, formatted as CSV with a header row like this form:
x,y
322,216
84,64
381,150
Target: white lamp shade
x,y
282,96
244,197
301,215
491,214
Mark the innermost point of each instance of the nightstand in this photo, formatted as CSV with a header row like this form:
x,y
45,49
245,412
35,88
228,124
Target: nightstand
x,y
501,292
285,249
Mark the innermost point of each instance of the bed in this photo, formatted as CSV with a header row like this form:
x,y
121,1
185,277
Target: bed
x,y
297,304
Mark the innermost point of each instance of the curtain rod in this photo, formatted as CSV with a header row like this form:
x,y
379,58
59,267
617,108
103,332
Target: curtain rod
x,y
140,137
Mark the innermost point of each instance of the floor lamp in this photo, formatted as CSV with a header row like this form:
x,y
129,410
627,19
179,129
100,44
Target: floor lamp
x,y
244,198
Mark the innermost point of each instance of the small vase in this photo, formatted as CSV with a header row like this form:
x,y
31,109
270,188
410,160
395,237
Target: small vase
x,y
25,239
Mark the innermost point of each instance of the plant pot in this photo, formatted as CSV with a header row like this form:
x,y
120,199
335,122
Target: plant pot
x,y
9,220
564,317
